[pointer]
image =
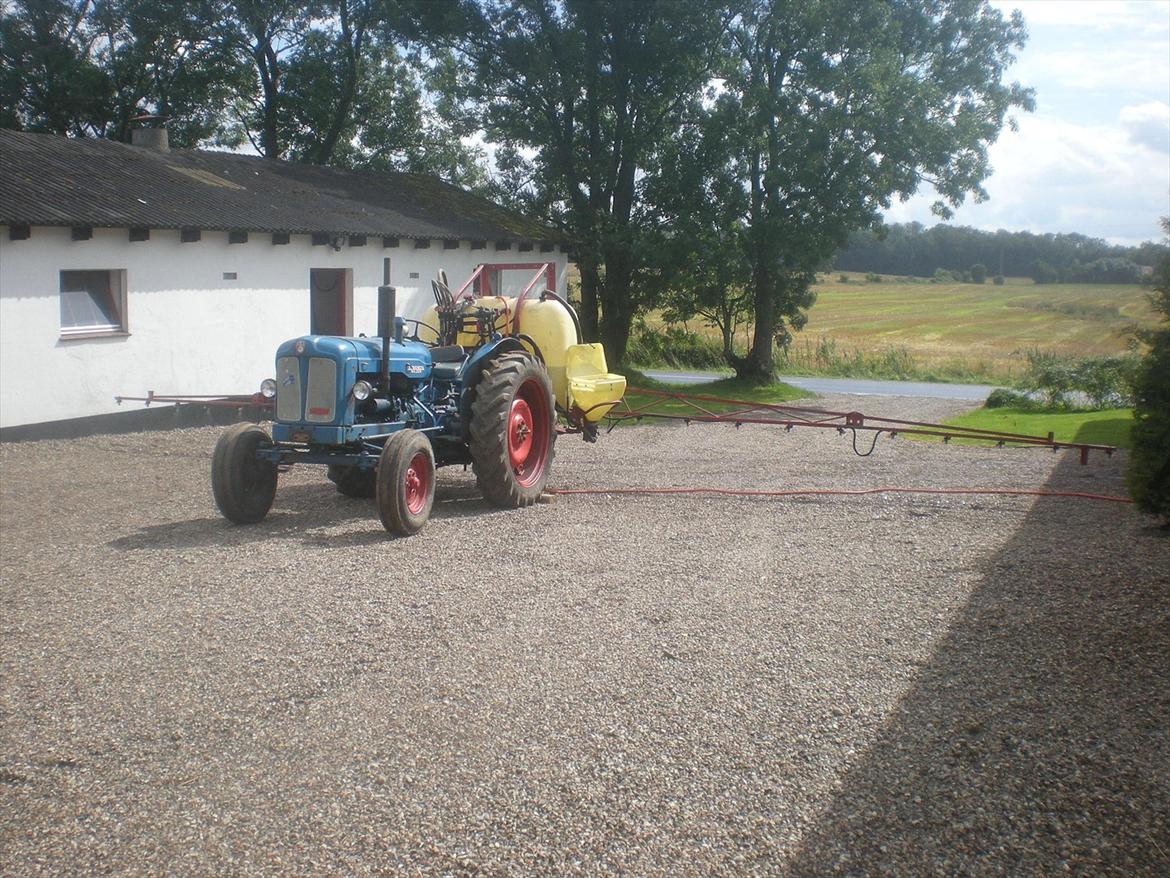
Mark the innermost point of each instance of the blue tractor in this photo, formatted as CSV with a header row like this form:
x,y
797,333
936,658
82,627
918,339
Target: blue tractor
x,y
468,384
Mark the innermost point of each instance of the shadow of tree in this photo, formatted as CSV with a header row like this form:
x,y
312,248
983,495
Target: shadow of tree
x,y
1038,738
1104,432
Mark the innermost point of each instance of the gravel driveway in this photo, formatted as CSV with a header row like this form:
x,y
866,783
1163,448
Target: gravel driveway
x,y
886,684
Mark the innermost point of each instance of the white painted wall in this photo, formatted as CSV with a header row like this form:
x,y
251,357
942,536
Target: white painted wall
x,y
190,330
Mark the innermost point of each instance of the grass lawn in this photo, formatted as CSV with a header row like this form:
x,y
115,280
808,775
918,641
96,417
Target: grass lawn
x,y
1109,427
728,388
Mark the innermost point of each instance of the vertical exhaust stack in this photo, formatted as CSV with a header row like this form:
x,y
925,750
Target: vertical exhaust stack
x,y
386,314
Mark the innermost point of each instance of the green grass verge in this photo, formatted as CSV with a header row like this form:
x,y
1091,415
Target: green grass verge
x,y
1107,427
728,388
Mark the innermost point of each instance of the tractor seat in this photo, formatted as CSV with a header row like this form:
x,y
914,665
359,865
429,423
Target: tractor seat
x,y
447,361
449,353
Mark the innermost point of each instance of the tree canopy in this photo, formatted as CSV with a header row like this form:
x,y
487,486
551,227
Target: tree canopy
x,y
703,154
913,250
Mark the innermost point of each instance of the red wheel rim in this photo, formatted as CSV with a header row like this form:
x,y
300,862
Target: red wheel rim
x,y
529,428
417,482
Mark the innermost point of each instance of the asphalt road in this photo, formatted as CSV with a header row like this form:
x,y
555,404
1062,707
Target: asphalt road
x,y
858,386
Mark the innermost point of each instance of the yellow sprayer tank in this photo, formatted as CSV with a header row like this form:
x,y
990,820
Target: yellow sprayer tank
x,y
580,376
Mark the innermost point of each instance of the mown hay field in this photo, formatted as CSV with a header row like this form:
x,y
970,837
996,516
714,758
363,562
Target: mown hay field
x,y
903,328
986,325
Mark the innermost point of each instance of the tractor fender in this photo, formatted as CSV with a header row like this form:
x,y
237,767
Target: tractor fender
x,y
479,361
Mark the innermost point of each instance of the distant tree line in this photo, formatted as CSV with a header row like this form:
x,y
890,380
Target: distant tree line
x,y
913,250
707,156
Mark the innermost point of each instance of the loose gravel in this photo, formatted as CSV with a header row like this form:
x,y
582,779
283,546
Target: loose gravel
x,y
603,685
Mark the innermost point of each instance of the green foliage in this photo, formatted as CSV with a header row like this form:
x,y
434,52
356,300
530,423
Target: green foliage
x,y
912,249
1148,472
1043,273
978,273
874,278
1094,382
998,280
673,347
88,68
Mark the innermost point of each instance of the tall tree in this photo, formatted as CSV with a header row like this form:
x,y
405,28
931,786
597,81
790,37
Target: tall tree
x,y
1148,471
177,60
269,32
836,107
88,67
48,80
579,94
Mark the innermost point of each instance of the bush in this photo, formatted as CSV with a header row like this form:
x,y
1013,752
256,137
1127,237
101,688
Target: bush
x,y
1062,382
978,273
998,280
1148,472
673,347
874,278
844,279
1002,398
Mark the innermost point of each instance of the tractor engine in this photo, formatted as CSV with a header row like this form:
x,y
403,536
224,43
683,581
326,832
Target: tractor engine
x,y
329,389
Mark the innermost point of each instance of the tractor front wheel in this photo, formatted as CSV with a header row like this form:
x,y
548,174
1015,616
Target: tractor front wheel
x,y
406,482
513,430
243,485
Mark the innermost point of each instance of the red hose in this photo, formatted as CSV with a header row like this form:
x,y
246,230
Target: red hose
x,y
732,492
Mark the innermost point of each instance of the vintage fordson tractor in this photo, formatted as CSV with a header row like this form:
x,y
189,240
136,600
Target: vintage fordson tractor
x,y
480,379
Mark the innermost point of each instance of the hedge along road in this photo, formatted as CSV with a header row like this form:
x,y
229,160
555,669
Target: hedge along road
x,y
855,386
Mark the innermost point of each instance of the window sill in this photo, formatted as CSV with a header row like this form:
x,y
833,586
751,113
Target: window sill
x,y
94,333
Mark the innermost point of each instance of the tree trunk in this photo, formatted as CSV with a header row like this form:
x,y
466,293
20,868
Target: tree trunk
x,y
588,312
760,364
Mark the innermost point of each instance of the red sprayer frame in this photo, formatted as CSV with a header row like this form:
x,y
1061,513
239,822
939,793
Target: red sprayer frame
x,y
788,416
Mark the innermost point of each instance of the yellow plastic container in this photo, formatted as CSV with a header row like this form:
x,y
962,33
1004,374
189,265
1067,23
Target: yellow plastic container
x,y
549,325
592,388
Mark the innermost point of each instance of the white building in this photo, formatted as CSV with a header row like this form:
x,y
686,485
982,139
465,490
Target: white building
x,y
127,269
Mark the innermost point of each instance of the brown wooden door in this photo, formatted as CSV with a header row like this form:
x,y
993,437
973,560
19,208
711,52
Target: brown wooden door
x,y
330,301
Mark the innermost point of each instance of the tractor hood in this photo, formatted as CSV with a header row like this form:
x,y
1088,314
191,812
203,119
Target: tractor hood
x,y
363,355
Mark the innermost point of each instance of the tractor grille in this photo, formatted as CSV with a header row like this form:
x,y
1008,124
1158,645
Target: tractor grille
x,y
321,398
288,389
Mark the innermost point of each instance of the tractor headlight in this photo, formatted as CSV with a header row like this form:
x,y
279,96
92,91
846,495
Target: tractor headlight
x,y
362,390
268,388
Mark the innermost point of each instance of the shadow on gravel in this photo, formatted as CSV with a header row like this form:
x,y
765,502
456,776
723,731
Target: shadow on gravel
x,y
1038,738
301,512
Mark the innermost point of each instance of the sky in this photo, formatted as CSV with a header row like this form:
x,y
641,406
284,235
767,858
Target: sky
x,y
1094,157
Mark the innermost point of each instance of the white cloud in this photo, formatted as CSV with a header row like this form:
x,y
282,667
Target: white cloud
x,y
1123,66
1148,125
1105,15
1094,157
1057,176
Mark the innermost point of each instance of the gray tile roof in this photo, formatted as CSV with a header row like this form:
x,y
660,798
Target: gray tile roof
x,y
60,181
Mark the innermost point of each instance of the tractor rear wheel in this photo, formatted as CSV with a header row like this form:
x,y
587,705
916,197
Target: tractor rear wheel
x,y
243,485
513,430
353,481
406,482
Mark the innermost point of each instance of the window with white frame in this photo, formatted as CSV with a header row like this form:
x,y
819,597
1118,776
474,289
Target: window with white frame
x,y
93,302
